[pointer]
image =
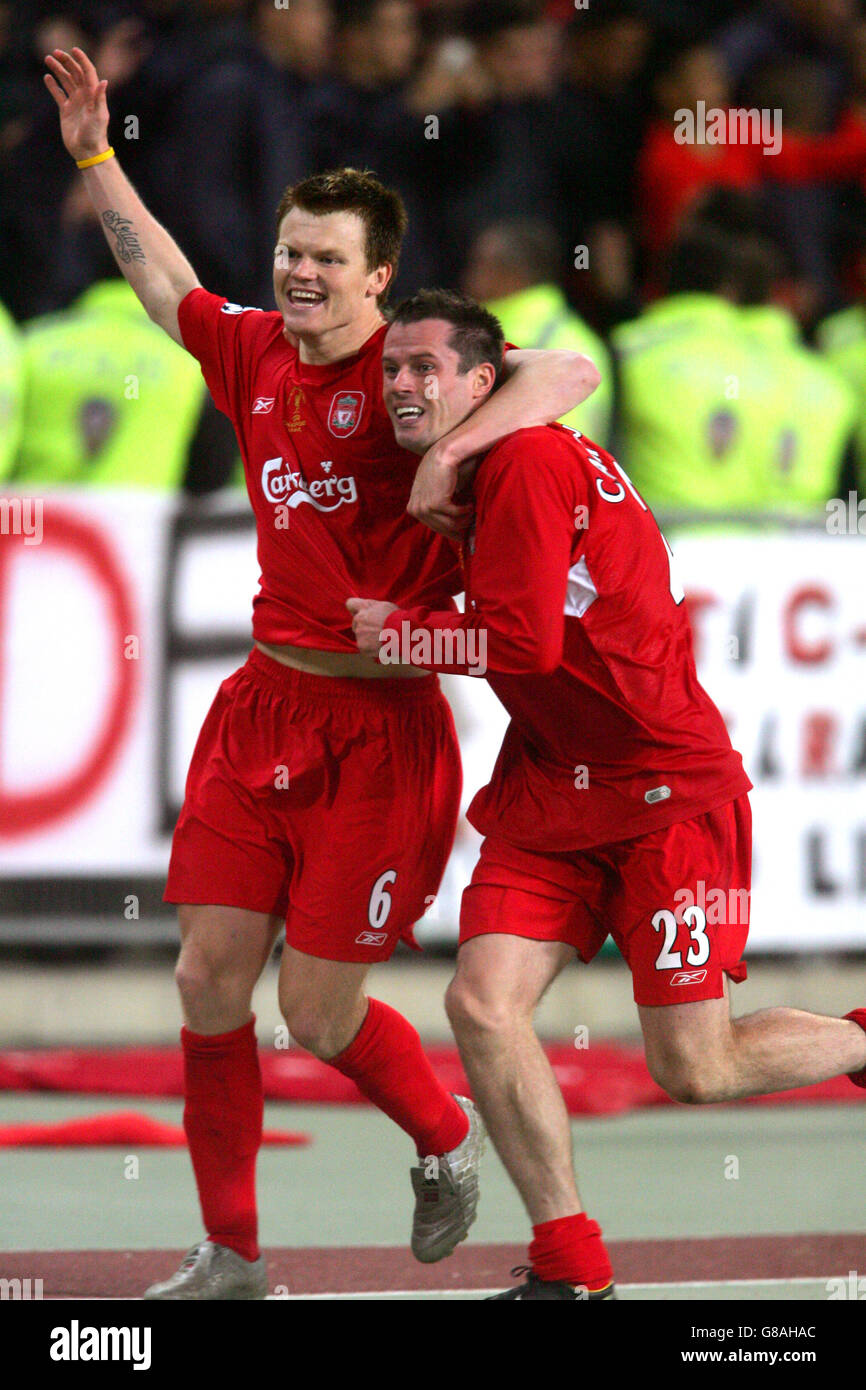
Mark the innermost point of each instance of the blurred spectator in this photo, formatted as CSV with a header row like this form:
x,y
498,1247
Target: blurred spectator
x,y
599,116
842,339
110,401
783,146
672,173
748,214
391,106
722,407
685,21
11,373
14,87
517,46
780,30
477,110
298,41
219,141
507,156
376,48
512,269
37,174
205,133
378,43
805,191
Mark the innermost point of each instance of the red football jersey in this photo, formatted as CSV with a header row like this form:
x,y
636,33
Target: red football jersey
x,y
327,482
570,587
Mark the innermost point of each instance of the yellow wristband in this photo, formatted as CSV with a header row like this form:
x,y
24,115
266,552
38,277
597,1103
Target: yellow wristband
x,y
97,159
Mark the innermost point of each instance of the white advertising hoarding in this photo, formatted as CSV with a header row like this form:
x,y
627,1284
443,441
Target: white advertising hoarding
x,y
119,620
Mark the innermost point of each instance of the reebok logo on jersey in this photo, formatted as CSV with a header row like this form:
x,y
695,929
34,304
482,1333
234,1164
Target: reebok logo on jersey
x,y
263,405
291,489
371,938
239,309
688,977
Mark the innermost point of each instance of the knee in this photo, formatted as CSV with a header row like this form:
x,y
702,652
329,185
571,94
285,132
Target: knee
x,y
314,1029
193,976
685,1078
471,1010
204,982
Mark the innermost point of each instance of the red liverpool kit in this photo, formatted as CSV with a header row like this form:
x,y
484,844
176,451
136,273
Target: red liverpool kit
x,y
332,801
607,796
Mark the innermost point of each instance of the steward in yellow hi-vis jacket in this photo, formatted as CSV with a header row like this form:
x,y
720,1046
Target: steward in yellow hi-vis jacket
x,y
723,408
540,317
10,392
512,270
842,340
109,399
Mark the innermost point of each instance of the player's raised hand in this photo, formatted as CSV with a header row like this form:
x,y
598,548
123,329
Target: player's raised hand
x,y
74,84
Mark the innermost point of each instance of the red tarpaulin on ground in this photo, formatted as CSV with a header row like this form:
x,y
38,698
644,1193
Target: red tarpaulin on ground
x,y
605,1079
120,1127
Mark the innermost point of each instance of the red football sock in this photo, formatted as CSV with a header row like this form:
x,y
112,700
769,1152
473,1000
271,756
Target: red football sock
x,y
571,1249
387,1063
858,1016
223,1122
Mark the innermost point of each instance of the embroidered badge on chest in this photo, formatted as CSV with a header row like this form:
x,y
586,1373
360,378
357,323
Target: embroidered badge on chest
x,y
344,415
294,420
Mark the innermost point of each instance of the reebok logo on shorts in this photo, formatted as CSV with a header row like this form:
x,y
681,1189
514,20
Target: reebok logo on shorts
x,y
373,938
688,977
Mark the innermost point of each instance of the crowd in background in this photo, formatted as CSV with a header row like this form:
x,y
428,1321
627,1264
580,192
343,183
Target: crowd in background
x,y
535,145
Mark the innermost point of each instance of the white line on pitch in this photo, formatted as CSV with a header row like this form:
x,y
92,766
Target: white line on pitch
x,y
728,1283
483,1293
442,1293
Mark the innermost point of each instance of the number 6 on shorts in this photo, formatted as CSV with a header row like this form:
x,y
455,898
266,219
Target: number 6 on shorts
x,y
380,900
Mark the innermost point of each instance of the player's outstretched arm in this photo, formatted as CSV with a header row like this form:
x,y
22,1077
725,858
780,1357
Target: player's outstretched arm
x,y
152,262
540,387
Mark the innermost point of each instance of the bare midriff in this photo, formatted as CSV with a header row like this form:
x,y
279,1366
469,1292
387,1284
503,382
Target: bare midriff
x,y
354,665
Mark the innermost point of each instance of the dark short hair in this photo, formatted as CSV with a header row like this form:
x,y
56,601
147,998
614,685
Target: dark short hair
x,y
354,14
380,209
476,334
529,245
707,259
483,20
701,260
602,13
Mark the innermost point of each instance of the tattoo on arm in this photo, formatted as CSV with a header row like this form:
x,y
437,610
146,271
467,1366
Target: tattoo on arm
x,y
128,248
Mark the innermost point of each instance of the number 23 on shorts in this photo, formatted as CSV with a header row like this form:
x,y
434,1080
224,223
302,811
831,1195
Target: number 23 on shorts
x,y
699,950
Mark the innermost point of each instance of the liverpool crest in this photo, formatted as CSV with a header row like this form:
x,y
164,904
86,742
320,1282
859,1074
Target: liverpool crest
x,y
345,413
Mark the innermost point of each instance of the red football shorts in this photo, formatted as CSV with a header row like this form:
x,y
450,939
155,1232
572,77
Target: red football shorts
x,y
676,901
332,802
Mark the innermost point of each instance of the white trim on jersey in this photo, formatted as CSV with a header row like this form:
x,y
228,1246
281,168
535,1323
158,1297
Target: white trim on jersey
x,y
581,592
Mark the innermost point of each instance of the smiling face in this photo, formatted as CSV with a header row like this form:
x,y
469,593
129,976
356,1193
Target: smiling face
x,y
321,281
425,393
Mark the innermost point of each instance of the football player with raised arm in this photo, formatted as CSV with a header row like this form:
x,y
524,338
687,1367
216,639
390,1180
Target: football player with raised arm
x,y
323,792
